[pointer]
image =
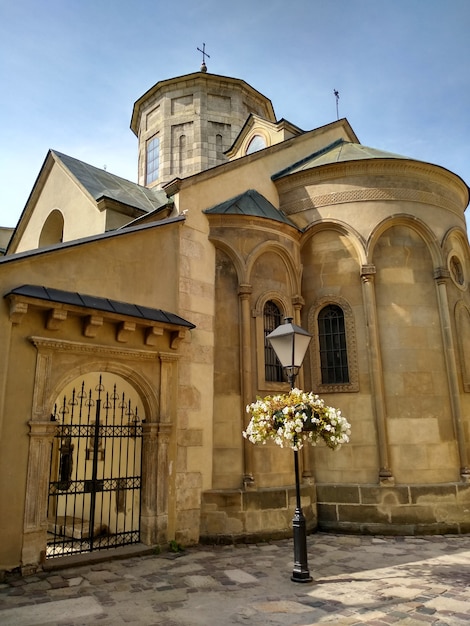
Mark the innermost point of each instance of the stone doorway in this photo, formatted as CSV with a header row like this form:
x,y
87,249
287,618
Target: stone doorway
x,y
95,476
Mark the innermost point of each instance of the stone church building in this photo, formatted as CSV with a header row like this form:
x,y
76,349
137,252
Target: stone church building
x,y
133,324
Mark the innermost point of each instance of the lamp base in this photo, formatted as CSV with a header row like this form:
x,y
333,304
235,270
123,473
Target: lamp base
x,y
301,577
301,573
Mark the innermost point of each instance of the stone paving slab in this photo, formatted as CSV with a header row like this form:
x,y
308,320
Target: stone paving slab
x,y
371,581
47,613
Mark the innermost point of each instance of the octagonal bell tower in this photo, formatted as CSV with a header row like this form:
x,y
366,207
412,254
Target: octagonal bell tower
x,y
185,124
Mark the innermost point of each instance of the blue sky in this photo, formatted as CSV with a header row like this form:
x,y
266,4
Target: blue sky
x,y
71,71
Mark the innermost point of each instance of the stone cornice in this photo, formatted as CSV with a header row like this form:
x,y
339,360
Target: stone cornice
x,y
390,167
93,320
44,344
408,175
223,225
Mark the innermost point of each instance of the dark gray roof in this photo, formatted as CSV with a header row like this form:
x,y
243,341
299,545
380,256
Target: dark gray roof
x,y
103,184
100,304
251,203
339,151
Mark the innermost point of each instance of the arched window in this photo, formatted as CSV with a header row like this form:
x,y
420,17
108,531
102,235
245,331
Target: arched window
x,y
272,366
333,350
257,143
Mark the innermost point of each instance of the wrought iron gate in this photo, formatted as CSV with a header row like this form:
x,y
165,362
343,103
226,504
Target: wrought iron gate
x,y
95,481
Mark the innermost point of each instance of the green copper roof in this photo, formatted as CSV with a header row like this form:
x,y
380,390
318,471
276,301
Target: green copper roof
x,y
250,203
337,152
103,184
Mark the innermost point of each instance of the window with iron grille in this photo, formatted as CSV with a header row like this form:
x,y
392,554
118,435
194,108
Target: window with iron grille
x,y
333,351
272,366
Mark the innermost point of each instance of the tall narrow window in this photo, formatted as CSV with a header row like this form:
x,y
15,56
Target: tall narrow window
x,y
153,160
333,352
219,150
272,366
181,153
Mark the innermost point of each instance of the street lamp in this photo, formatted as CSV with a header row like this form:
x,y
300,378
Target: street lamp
x,y
290,343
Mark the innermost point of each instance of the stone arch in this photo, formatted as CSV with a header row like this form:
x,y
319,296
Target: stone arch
x,y
342,228
457,234
53,229
280,299
415,224
456,251
234,256
143,388
462,325
278,249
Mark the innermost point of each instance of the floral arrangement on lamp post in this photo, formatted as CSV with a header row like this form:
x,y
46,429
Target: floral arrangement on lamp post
x,y
291,419
295,418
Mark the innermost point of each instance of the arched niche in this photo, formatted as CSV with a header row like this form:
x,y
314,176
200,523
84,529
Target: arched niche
x,y
53,230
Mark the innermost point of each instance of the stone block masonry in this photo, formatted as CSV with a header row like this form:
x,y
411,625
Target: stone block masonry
x,y
406,510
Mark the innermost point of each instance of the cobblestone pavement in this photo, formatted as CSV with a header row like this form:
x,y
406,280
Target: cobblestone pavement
x,y
378,581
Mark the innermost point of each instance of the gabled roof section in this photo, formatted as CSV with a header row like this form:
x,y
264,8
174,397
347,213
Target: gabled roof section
x,y
102,184
340,127
339,151
273,132
250,203
91,239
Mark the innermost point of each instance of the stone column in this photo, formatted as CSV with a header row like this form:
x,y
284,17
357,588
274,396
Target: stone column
x,y
376,373
244,293
441,276
166,496
37,492
158,492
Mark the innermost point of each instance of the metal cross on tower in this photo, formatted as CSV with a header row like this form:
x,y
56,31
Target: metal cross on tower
x,y
336,92
204,55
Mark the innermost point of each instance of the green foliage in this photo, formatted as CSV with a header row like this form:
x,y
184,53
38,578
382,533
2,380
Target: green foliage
x,y
175,546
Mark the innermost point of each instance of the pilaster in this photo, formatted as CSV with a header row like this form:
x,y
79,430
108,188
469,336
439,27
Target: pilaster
x,y
441,276
37,488
244,293
376,370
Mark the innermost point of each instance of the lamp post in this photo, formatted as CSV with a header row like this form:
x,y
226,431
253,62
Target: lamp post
x,y
290,343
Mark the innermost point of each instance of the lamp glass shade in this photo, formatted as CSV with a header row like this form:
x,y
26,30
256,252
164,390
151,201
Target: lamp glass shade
x,y
290,343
